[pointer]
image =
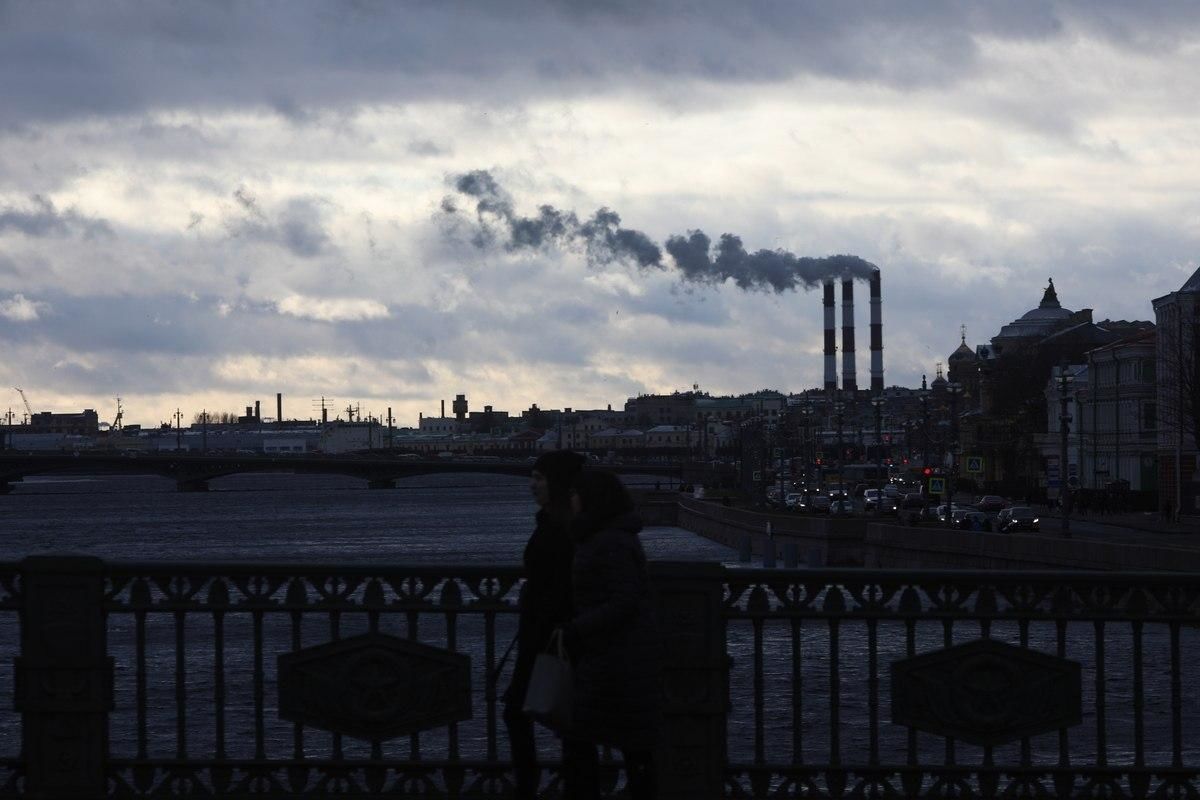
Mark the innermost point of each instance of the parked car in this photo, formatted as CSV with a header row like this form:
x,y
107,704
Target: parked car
x,y
841,508
991,502
944,509
974,521
1018,518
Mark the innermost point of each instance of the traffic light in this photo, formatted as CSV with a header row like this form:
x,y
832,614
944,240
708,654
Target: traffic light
x,y
927,471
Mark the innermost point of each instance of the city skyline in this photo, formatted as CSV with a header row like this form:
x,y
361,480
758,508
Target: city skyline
x,y
201,206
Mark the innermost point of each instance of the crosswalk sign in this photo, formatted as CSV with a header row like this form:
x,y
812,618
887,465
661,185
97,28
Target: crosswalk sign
x,y
937,485
974,463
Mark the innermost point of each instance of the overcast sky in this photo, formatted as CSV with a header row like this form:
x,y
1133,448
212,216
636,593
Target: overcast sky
x,y
204,203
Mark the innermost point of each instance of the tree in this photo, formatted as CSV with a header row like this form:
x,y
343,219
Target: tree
x,y
215,417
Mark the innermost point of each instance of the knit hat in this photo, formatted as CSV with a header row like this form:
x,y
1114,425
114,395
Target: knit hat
x,y
560,468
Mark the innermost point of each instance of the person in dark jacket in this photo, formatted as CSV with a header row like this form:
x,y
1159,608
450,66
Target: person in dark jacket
x,y
613,640
545,601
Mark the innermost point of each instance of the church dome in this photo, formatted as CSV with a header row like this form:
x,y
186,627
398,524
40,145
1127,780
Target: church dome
x,y
1040,321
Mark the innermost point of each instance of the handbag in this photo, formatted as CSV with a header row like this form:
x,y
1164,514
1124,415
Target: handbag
x,y
548,699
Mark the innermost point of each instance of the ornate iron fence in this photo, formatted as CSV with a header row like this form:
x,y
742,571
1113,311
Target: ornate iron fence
x,y
240,680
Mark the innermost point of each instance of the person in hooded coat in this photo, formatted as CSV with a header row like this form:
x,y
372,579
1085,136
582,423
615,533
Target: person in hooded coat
x,y
544,604
613,640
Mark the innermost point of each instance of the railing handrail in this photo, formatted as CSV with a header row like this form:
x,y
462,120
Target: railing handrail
x,y
754,574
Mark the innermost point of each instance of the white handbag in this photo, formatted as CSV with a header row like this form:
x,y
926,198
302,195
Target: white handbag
x,y
548,699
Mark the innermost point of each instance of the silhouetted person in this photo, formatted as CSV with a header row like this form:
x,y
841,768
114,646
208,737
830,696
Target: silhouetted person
x,y
545,602
614,641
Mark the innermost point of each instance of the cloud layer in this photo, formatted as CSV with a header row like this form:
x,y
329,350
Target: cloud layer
x,y
562,202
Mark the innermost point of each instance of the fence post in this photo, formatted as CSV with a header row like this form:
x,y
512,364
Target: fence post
x,y
64,677
696,679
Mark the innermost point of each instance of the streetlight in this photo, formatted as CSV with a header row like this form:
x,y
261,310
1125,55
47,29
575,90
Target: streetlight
x,y
838,408
923,396
878,401
955,389
811,450
1064,429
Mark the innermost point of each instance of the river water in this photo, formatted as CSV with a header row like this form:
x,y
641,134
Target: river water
x,y
485,520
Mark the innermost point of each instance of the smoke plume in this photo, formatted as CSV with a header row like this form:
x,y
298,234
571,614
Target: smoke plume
x,y
604,241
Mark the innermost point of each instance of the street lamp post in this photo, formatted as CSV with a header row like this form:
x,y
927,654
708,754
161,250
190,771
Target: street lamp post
x,y
878,403
838,408
954,389
1064,426
923,396
810,449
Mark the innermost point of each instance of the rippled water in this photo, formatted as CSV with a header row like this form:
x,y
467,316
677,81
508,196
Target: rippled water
x,y
486,520
473,519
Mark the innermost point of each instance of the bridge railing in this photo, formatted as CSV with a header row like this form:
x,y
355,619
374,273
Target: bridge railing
x,y
966,684
301,680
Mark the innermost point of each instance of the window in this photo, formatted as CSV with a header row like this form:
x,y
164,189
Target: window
x,y
1149,373
1149,416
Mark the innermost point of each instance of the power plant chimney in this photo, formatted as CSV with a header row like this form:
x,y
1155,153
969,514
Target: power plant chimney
x,y
443,409
849,381
279,408
257,411
876,336
830,340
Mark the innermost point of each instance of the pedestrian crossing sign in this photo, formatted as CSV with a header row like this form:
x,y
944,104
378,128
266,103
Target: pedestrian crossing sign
x,y
937,485
974,463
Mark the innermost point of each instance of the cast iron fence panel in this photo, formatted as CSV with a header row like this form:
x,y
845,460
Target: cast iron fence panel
x,y
10,606
238,619
834,636
181,668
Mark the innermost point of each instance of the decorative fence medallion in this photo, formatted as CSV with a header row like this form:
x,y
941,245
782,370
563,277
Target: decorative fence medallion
x,y
986,692
374,686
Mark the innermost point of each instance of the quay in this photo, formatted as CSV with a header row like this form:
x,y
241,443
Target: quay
x,y
239,680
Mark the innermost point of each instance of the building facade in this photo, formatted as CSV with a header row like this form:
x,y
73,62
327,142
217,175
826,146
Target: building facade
x,y
1177,364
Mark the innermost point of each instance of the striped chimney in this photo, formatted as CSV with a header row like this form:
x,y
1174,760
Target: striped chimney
x,y
876,336
849,381
830,340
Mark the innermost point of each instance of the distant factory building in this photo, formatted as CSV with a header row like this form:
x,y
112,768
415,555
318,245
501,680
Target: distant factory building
x,y
85,423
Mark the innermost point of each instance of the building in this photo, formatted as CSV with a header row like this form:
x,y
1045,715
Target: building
x,y
84,423
1177,365
1117,421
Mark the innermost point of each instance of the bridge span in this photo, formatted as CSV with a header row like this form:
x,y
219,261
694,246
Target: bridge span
x,y
192,473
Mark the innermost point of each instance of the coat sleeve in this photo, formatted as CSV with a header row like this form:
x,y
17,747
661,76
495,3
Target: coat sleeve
x,y
620,570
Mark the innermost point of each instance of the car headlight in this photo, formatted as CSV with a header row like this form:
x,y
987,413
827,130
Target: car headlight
x,y
1036,521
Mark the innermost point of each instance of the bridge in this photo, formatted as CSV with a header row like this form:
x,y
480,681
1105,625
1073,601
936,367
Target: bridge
x,y
192,473
288,680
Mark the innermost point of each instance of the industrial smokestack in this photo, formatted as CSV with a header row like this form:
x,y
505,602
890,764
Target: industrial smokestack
x,y
279,408
443,409
830,340
257,411
876,336
849,381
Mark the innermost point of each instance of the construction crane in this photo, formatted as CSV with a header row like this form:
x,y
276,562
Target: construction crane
x,y
25,400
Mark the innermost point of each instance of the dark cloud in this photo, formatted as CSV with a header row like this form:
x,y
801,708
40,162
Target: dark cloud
x,y
78,59
606,242
42,219
299,226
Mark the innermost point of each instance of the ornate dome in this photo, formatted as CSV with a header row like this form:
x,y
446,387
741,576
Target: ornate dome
x,y
1040,321
1193,283
963,352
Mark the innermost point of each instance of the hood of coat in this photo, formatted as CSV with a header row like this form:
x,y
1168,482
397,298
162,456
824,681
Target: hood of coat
x,y
584,527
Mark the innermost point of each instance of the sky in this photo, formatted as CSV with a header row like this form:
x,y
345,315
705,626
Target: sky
x,y
388,204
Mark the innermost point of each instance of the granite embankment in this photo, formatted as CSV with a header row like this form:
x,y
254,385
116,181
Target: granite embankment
x,y
861,541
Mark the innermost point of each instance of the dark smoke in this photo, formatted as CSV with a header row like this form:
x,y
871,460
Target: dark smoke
x,y
605,242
